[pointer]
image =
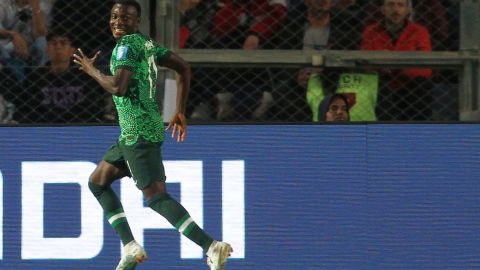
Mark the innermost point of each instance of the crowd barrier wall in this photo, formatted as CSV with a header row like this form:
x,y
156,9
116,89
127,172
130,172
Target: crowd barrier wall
x,y
362,196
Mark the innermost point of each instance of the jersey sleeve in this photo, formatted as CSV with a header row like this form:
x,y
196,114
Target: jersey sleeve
x,y
127,53
161,53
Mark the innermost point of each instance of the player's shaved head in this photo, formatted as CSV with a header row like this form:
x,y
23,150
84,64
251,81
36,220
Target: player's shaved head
x,y
132,3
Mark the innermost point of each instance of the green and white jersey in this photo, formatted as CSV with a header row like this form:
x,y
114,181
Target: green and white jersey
x,y
138,112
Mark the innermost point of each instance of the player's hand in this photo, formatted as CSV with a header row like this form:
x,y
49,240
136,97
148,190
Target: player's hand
x,y
86,64
179,125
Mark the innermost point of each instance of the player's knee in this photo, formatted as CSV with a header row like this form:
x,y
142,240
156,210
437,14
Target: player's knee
x,y
160,197
95,177
154,188
99,177
97,190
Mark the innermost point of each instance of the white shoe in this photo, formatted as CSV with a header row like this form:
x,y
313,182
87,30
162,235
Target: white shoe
x,y
133,253
217,254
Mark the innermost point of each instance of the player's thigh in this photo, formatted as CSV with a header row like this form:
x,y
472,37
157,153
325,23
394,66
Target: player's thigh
x,y
144,160
111,167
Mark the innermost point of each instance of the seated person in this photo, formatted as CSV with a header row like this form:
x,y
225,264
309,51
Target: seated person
x,y
58,92
22,35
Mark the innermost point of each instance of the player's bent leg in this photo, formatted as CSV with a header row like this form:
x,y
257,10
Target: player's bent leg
x,y
100,185
105,174
161,202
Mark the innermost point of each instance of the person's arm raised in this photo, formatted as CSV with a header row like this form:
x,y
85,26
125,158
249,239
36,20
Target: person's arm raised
x,y
116,84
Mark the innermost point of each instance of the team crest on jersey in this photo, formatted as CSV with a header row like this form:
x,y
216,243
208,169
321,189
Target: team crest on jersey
x,y
122,52
149,45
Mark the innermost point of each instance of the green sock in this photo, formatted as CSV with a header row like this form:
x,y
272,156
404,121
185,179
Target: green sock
x,y
113,211
176,214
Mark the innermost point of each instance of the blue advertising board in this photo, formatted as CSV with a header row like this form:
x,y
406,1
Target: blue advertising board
x,y
366,196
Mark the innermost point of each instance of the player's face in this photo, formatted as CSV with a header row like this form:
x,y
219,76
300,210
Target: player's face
x,y
59,49
337,111
396,11
123,20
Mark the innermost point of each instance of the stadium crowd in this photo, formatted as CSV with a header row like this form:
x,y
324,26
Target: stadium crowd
x,y
39,84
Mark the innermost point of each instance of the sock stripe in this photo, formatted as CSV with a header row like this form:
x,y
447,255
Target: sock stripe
x,y
115,217
114,212
190,227
185,224
181,221
118,221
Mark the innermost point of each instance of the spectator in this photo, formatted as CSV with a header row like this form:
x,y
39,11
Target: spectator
x,y
244,24
361,89
58,92
433,15
334,108
84,18
196,23
22,35
196,33
248,24
406,93
290,102
440,17
320,25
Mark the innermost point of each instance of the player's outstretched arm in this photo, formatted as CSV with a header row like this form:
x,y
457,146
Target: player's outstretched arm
x,y
183,76
116,85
